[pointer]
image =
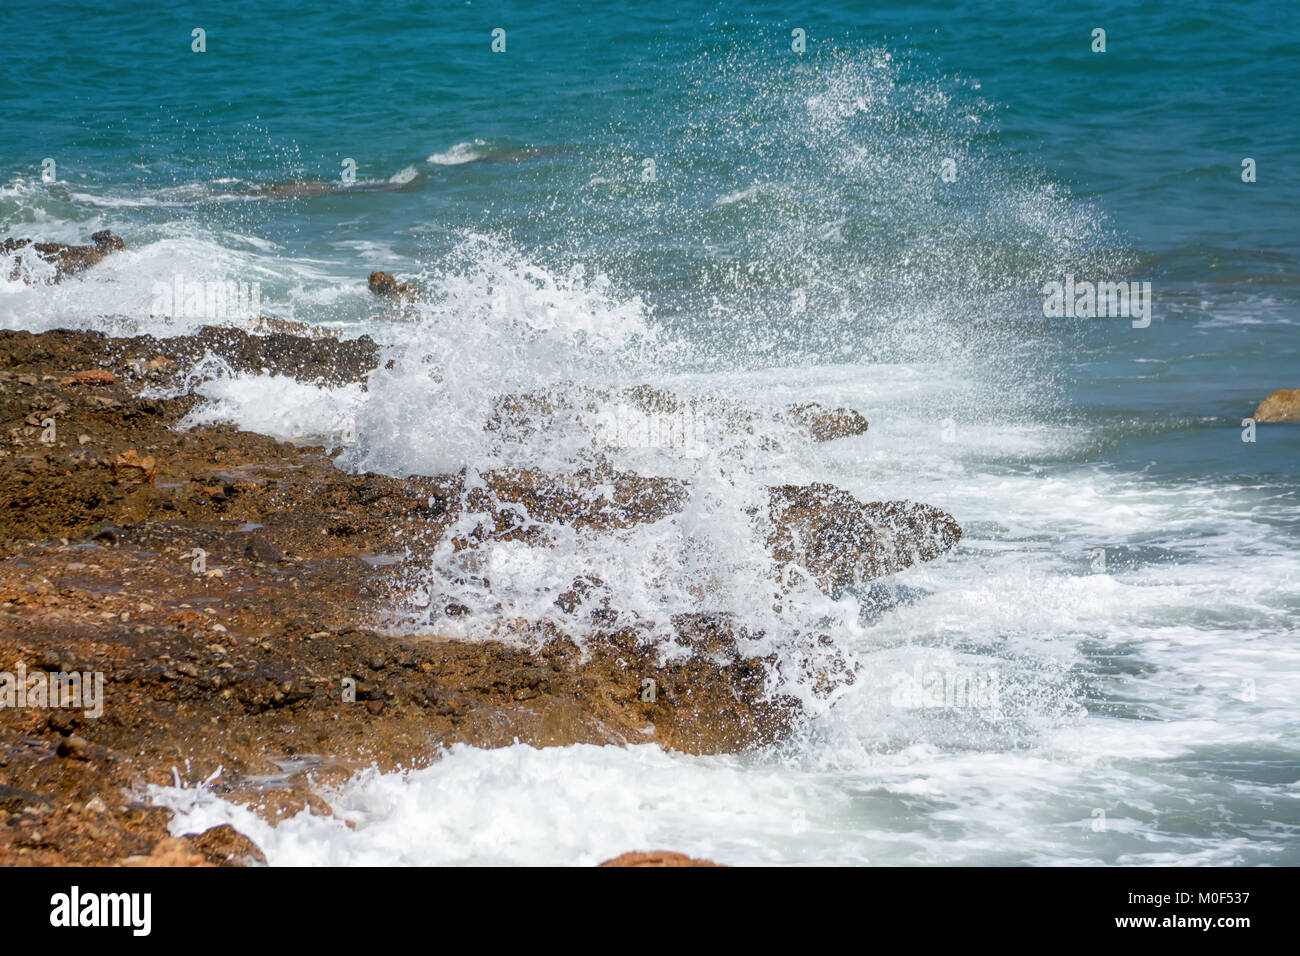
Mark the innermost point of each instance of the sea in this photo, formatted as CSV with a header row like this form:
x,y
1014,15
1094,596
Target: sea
x,y
768,204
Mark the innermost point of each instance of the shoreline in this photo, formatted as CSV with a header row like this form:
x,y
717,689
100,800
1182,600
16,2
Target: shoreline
x,y
230,589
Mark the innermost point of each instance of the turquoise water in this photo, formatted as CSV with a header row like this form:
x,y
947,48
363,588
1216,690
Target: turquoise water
x,y
671,192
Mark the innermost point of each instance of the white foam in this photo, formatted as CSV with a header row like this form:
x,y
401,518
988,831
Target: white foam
x,y
459,154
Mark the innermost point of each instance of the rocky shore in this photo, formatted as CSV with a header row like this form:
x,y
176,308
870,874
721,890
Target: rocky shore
x,y
228,587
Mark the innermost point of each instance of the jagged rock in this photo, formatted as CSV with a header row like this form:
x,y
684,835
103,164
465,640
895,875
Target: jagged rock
x,y
841,541
827,532
67,260
225,846
657,858
386,286
827,424
1282,406
129,466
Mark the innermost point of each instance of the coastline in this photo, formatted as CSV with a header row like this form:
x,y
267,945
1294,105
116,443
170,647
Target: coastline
x,y
230,589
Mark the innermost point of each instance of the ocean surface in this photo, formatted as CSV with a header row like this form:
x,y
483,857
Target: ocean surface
x,y
672,193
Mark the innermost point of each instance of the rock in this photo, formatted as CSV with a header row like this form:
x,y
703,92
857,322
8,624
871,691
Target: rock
x,y
226,846
841,541
74,746
105,531
266,324
92,376
1282,406
96,804
657,858
169,851
16,799
827,424
837,539
129,466
386,286
259,549
67,260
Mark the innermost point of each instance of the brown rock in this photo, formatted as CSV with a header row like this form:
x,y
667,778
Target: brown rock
x,y
827,424
169,851
91,376
1282,406
226,846
657,858
841,541
386,286
129,466
836,538
67,260
265,324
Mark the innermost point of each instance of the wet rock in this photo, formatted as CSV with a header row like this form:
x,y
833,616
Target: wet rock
x,y
827,424
827,532
841,541
386,286
1282,406
273,677
226,846
259,549
106,531
67,260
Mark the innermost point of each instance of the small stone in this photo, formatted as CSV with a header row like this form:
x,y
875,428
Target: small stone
x,y
74,746
261,550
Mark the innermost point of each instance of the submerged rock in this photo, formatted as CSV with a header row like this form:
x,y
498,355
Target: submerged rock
x,y
1282,406
67,260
